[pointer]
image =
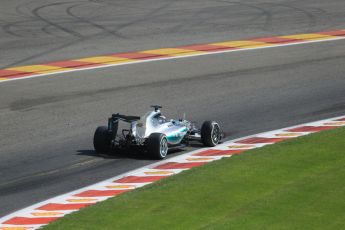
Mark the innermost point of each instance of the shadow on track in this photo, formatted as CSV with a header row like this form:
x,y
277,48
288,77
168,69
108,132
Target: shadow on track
x,y
131,154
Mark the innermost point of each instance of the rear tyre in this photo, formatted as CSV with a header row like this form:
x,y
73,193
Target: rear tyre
x,y
101,140
157,145
210,133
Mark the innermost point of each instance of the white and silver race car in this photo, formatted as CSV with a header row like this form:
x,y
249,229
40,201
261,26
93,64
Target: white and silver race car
x,y
153,133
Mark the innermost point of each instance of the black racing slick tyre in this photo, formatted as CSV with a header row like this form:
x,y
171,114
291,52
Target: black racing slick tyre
x,y
101,140
210,133
157,145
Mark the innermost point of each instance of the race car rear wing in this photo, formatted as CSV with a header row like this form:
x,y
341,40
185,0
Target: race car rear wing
x,y
125,118
113,122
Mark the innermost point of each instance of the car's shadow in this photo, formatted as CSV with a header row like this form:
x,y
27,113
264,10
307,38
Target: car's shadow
x,y
137,155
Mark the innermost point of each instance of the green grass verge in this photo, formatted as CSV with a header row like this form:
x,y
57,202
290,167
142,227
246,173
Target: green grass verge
x,y
296,184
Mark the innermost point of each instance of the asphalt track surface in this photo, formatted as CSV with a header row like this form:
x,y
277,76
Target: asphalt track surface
x,y
47,123
39,31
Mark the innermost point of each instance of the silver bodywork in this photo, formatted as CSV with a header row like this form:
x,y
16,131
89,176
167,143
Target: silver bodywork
x,y
154,122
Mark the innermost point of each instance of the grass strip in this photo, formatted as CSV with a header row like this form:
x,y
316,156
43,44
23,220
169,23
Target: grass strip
x,y
295,184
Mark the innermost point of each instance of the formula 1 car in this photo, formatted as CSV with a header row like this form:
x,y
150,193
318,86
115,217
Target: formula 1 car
x,y
153,133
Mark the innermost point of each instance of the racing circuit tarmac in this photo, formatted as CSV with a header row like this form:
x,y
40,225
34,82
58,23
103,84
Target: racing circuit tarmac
x,y
47,123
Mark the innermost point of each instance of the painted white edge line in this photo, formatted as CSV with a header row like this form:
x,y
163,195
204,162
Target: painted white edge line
x,y
137,61
62,198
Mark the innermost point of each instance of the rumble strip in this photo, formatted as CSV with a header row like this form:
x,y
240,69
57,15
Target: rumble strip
x,y
104,61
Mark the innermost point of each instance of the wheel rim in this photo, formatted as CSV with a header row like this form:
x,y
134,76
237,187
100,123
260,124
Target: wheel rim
x,y
164,147
215,134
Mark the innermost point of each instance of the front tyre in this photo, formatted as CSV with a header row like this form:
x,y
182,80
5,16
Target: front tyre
x,y
102,140
210,133
157,145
